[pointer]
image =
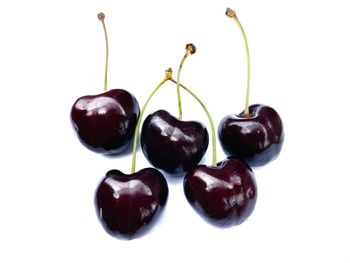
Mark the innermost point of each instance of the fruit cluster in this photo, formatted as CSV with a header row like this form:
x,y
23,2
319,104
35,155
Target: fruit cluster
x,y
224,194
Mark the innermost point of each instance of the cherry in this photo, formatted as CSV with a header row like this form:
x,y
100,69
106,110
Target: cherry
x,y
105,123
224,195
128,205
257,139
255,135
171,144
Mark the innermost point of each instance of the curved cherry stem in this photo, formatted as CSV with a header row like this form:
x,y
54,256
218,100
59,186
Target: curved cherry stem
x,y
214,162
232,14
190,49
101,17
168,76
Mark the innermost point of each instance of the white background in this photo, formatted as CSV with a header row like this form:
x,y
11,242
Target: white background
x,y
52,52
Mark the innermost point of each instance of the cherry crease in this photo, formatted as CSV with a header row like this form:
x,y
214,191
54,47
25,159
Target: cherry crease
x,y
173,145
105,123
128,205
257,139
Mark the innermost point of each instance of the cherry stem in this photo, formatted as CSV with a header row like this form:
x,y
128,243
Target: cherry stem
x,y
101,17
232,14
214,162
168,76
190,49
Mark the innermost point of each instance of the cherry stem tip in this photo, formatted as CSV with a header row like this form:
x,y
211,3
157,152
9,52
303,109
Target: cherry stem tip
x,y
101,16
191,48
231,13
169,73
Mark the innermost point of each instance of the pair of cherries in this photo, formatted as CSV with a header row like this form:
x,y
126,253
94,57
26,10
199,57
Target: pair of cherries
x,y
224,193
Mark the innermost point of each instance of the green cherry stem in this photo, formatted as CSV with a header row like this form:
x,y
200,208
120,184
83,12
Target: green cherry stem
x,y
214,162
232,14
168,76
101,17
190,49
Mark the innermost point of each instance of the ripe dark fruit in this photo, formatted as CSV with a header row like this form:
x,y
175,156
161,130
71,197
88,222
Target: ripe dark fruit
x,y
224,195
173,145
257,139
105,123
128,205
256,134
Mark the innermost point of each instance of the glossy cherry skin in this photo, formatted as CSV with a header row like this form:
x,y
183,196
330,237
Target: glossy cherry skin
x,y
128,205
172,145
224,195
105,123
257,139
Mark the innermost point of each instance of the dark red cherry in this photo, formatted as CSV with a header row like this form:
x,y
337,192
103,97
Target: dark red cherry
x,y
128,205
105,123
224,195
173,145
257,139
